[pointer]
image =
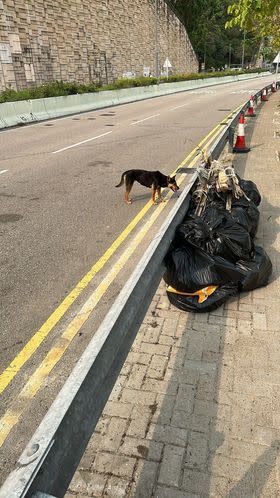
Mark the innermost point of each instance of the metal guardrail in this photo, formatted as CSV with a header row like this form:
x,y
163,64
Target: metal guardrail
x,y
48,463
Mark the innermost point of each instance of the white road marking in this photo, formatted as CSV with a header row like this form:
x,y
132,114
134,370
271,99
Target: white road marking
x,y
201,91
3,171
178,106
83,142
237,92
145,119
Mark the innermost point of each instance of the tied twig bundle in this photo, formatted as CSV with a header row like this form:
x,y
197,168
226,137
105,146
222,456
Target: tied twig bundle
x,y
218,176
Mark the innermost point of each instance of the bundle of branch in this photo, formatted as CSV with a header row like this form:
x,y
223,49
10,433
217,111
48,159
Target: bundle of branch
x,y
201,192
216,175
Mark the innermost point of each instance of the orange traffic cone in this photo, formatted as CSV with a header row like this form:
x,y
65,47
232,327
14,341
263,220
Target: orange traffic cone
x,y
264,95
250,111
240,145
273,87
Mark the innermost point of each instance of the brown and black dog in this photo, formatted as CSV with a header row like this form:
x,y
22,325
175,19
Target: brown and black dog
x,y
152,179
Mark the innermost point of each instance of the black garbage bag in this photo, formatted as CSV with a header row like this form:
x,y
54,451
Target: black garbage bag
x,y
190,303
244,211
256,272
251,190
217,233
189,269
195,232
246,214
240,215
217,199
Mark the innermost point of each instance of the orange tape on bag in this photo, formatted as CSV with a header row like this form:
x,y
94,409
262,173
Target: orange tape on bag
x,y
202,294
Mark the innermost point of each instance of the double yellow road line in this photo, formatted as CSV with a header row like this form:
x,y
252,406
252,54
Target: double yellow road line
x,y
22,400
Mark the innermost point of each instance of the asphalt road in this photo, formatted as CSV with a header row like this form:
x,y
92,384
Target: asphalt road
x,y
60,211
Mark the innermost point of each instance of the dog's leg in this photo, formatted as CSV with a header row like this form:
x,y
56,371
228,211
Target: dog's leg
x,y
154,191
128,187
160,199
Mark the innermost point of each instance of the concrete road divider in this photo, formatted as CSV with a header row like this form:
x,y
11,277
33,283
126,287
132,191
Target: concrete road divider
x,y
30,111
9,116
38,109
22,112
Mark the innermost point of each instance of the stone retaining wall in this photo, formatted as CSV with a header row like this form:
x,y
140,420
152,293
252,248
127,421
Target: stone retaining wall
x,y
88,40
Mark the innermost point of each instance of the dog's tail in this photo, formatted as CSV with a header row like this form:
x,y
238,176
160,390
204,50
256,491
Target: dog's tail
x,y
122,180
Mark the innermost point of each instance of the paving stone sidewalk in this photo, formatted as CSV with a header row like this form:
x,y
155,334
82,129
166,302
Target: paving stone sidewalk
x,y
195,412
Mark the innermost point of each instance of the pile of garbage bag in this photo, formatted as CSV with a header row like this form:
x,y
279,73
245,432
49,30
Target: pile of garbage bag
x,y
213,255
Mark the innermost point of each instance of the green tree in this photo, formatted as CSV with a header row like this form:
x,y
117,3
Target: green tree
x,y
257,16
205,23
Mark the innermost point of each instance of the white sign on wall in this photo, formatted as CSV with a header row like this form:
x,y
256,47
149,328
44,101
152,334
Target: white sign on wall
x,y
5,53
29,72
167,64
146,71
15,44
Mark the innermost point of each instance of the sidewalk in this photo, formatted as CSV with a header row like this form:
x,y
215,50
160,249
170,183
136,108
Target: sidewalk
x,y
195,412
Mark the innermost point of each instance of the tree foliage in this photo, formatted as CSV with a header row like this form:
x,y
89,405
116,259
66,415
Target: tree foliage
x,y
205,23
257,16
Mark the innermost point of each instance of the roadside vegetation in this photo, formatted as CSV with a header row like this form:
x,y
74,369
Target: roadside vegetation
x,y
260,17
231,32
60,88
